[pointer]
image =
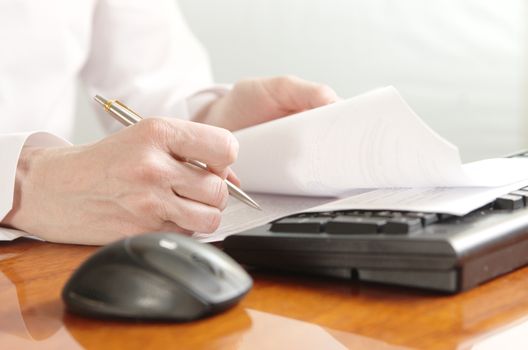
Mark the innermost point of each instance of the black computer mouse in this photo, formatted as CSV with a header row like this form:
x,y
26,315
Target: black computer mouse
x,y
156,276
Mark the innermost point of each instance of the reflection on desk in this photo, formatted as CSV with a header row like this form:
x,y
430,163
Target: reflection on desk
x,y
281,312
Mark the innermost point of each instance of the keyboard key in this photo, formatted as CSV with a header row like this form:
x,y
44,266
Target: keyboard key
x,y
360,213
299,225
329,214
387,214
302,215
383,214
509,202
523,194
426,218
447,217
355,225
402,225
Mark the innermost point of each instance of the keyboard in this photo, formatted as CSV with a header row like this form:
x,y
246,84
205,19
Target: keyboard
x,y
433,251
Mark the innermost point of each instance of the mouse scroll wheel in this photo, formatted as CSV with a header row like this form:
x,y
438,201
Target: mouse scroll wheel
x,y
205,263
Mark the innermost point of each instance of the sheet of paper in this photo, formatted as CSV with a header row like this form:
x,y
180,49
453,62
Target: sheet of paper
x,y
455,201
238,217
496,172
374,140
7,234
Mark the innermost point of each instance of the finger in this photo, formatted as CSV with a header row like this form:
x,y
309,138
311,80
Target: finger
x,y
298,95
172,227
216,147
191,215
199,185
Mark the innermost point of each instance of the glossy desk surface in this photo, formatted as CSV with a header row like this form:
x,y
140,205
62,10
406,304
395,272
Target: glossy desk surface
x,y
281,312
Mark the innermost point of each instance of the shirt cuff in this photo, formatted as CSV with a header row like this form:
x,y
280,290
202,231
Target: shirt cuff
x,y
189,107
11,146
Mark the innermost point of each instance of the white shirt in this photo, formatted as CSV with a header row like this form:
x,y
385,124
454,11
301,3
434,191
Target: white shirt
x,y
138,51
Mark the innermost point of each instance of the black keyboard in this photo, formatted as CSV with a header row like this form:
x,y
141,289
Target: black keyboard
x,y
425,250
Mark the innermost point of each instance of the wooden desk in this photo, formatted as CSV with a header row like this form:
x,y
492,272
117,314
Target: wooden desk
x,y
281,312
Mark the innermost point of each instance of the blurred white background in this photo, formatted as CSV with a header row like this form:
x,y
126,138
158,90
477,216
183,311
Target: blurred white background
x,y
461,64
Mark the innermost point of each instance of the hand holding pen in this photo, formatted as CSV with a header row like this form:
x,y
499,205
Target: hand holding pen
x,y
134,181
128,117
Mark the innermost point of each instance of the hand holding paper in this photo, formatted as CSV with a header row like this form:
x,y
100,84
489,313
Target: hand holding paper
x,y
373,140
371,150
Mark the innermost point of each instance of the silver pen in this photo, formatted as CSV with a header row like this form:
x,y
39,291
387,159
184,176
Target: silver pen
x,y
128,117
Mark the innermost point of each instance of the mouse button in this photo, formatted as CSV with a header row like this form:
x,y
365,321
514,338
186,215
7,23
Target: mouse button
x,y
238,279
113,283
126,291
206,263
206,270
224,265
234,281
184,271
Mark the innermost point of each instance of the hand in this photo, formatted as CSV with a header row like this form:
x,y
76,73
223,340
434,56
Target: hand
x,y
255,101
132,182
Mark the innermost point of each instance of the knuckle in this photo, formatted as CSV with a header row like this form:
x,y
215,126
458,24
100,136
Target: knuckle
x,y
151,169
282,84
285,81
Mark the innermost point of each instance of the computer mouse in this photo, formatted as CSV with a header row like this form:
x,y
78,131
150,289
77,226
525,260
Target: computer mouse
x,y
156,276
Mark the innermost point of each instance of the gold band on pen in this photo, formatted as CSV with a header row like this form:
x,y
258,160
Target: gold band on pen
x,y
108,104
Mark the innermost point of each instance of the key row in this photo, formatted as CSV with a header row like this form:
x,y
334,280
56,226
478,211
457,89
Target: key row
x,y
388,222
356,222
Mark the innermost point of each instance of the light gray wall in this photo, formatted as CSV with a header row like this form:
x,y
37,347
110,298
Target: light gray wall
x,y
459,63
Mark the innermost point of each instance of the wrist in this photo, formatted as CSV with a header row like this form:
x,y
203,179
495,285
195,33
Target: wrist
x,y
28,157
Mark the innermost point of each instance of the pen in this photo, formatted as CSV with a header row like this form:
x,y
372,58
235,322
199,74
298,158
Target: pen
x,y
128,117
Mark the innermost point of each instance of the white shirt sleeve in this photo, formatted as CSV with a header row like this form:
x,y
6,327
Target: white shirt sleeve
x,y
144,54
11,146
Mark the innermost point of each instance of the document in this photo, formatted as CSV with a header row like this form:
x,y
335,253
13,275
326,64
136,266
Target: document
x,y
369,152
374,140
455,201
238,216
